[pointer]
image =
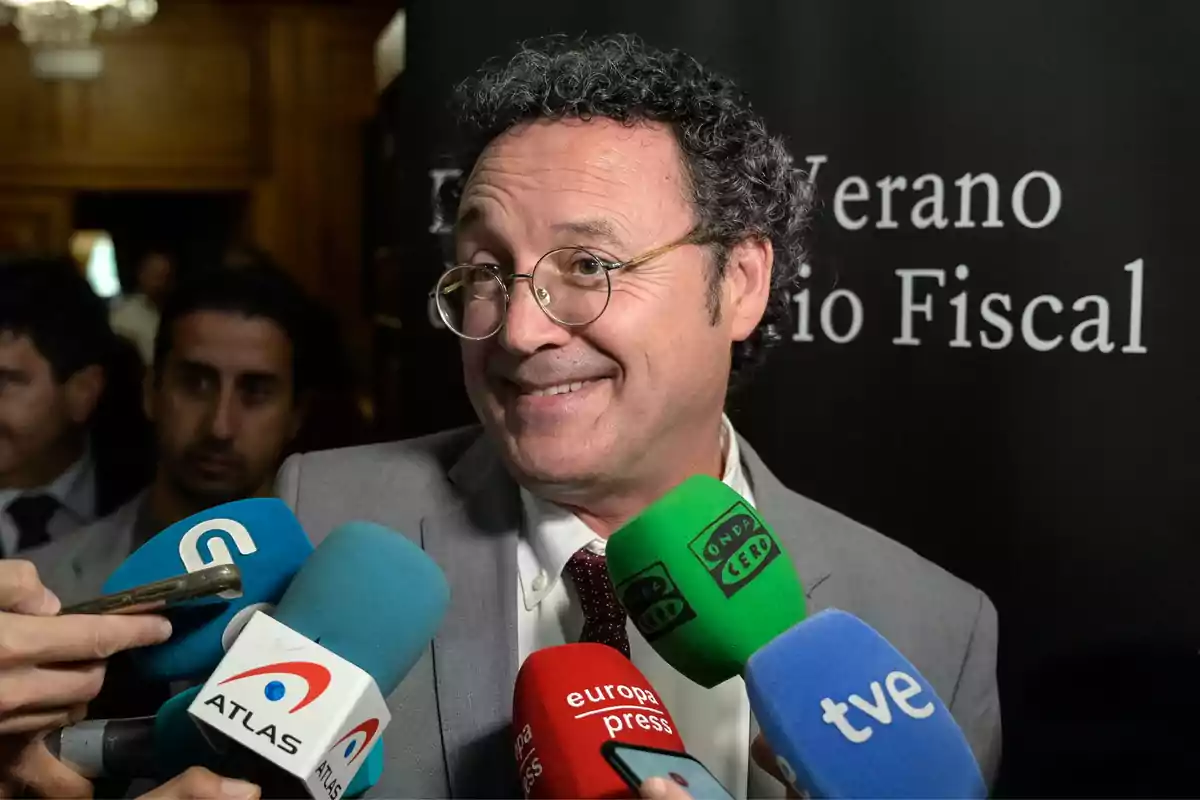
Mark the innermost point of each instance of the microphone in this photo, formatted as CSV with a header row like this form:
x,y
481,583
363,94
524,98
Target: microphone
x,y
708,584
568,701
159,747
704,579
848,716
304,690
268,547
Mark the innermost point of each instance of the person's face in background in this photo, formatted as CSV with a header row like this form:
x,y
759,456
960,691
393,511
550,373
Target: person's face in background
x,y
38,414
223,405
624,401
154,276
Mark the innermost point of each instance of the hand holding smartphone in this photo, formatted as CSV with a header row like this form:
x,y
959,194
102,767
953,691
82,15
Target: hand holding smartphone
x,y
164,594
635,764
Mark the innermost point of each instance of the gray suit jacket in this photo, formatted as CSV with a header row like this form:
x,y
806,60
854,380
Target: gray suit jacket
x,y
450,492
76,566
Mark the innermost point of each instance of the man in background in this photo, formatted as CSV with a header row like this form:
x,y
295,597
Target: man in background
x,y
135,316
225,396
58,371
333,402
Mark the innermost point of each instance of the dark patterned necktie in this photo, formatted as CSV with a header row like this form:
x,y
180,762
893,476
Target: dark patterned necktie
x,y
603,617
32,514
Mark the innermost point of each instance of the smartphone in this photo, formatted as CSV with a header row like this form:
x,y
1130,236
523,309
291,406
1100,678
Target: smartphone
x,y
635,764
164,594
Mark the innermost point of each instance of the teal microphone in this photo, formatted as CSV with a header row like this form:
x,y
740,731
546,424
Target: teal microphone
x,y
260,536
299,698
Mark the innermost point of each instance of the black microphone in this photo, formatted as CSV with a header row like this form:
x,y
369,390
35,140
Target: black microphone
x,y
161,746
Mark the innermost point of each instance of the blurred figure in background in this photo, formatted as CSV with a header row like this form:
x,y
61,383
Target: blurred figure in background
x,y
231,375
135,315
240,255
71,446
336,417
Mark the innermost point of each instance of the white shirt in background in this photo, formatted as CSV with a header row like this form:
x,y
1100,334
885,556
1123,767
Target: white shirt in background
x,y
135,318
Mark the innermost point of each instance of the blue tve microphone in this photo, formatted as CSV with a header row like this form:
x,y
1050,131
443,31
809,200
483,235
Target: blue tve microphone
x,y
848,716
260,536
367,596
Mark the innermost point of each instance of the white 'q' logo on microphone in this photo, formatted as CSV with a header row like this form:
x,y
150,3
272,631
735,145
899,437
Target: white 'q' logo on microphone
x,y
189,551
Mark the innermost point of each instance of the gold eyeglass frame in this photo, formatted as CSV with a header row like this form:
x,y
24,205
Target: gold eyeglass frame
x,y
695,236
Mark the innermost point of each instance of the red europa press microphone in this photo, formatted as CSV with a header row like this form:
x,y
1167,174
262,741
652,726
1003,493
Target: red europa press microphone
x,y
568,701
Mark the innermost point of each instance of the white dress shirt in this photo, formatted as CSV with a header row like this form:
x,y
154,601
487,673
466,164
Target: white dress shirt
x,y
75,490
713,723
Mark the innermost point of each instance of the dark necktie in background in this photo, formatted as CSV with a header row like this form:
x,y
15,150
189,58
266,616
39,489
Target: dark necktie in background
x,y
32,515
603,617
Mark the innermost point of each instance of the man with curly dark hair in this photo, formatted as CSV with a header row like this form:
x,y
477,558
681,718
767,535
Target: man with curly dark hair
x,y
625,238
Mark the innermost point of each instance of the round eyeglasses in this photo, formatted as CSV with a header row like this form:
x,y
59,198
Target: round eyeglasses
x,y
571,285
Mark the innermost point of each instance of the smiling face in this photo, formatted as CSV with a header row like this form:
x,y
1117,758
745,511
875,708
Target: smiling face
x,y
635,398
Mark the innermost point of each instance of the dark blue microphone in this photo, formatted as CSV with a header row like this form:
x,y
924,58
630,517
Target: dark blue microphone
x,y
848,716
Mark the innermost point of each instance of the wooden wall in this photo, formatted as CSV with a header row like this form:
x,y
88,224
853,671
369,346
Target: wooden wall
x,y
264,98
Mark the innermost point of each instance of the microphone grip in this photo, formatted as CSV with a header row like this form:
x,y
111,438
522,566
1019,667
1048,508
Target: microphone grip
x,y
107,748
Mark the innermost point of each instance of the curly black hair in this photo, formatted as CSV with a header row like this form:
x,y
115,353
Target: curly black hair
x,y
743,181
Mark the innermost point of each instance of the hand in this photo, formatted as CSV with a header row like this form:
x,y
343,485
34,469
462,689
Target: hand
x,y
760,751
663,789
764,757
29,769
200,784
50,668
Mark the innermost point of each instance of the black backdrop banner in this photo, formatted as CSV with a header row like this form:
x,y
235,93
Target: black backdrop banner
x,y
994,358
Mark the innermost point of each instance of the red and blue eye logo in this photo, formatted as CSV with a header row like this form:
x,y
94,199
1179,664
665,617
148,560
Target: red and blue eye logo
x,y
316,679
355,747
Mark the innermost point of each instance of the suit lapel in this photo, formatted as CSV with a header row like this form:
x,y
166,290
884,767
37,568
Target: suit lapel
x,y
777,505
77,566
475,658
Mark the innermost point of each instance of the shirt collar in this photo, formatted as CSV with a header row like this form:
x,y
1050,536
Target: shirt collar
x,y
554,533
74,488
